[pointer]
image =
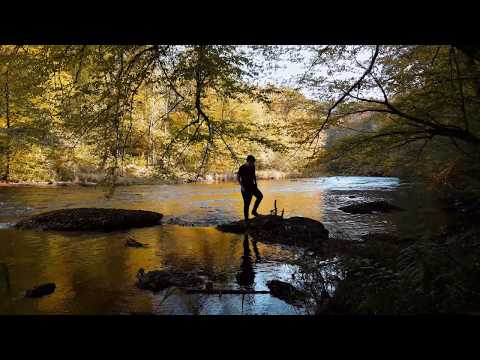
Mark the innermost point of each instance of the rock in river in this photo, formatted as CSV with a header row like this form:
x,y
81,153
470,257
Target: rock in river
x,y
158,280
42,290
369,207
285,291
296,230
91,219
134,243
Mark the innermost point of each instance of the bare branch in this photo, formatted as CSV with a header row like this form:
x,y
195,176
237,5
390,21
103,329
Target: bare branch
x,y
356,84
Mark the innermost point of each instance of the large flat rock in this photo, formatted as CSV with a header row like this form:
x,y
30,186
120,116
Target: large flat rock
x,y
298,231
91,219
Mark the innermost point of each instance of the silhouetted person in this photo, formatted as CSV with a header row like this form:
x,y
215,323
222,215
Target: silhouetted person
x,y
246,276
248,182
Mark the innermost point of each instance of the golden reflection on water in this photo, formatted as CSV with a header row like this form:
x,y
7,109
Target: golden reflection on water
x,y
218,203
95,272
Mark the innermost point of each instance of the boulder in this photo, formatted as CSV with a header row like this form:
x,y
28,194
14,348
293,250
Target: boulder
x,y
369,207
91,219
158,280
299,231
41,290
285,291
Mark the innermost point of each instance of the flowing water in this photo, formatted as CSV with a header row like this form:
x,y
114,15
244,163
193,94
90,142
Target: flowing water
x,y
95,272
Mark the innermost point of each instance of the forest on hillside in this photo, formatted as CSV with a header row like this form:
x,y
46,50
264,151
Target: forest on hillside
x,y
98,113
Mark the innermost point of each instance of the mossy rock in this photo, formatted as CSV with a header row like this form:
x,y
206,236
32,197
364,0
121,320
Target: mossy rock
x,y
91,219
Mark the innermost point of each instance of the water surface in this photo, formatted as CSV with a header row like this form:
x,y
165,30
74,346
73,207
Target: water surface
x,y
95,272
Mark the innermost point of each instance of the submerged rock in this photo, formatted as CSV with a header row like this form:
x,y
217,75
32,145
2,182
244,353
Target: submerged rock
x,y
158,280
296,230
41,290
178,221
384,237
134,243
369,207
285,291
91,219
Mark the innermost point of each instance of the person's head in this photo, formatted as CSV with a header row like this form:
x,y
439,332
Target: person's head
x,y
250,160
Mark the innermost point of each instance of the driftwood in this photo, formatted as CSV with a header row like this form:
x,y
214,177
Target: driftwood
x,y
274,211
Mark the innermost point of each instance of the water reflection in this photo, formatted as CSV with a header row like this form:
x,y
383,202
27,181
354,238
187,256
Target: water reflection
x,y
246,276
95,272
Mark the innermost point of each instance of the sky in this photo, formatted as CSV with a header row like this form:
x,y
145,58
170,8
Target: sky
x,y
289,71
286,74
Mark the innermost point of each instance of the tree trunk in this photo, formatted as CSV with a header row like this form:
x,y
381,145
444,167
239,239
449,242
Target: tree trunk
x,y
6,176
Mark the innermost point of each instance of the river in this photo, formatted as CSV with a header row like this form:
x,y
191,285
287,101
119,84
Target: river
x,y
95,272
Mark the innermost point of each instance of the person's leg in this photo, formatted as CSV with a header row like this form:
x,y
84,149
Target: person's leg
x,y
247,198
258,199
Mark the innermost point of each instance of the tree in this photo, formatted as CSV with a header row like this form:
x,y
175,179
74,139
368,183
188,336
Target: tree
x,y
23,105
416,94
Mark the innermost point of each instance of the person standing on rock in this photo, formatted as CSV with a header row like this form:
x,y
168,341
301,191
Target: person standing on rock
x,y
248,183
